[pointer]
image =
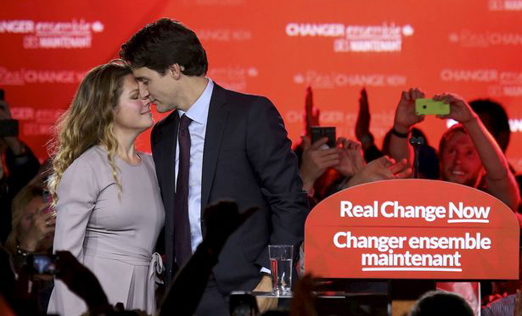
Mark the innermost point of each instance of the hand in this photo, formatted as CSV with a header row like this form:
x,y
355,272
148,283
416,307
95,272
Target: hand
x,y
42,226
311,113
265,304
460,110
405,116
316,160
352,157
383,168
222,219
362,126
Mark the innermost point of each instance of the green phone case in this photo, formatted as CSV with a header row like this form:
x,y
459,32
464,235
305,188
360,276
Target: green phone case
x,y
431,107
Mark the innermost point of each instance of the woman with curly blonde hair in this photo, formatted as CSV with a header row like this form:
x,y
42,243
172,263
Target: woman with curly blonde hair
x,y
109,209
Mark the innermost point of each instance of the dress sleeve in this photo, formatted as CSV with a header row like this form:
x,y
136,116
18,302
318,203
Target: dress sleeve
x,y
77,194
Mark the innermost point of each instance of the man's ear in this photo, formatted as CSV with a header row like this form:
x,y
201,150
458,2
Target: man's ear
x,y
176,71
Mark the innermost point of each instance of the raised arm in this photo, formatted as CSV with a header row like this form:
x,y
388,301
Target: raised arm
x,y
500,181
405,118
362,129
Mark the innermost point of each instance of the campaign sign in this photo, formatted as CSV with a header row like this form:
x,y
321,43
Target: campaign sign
x,y
412,229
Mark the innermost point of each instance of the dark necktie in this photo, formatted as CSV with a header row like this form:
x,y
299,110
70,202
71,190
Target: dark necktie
x,y
181,218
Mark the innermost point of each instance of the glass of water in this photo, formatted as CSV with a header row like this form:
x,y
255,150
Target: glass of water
x,y
281,263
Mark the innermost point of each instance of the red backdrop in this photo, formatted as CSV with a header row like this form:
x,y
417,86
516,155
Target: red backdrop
x,y
277,48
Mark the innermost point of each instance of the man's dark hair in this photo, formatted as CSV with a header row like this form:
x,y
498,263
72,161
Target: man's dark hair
x,y
498,121
437,303
164,43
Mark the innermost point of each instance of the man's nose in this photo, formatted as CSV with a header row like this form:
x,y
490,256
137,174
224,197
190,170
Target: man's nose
x,y
458,159
144,92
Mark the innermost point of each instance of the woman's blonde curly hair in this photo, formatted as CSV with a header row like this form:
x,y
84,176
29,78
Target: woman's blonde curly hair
x,y
88,121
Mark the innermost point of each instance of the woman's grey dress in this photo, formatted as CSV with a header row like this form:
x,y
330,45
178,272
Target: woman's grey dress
x,y
111,233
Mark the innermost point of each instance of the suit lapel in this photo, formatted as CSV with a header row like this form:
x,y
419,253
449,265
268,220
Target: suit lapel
x,y
217,117
168,137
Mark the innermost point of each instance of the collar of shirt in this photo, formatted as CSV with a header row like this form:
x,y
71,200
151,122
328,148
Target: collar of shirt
x,y
198,112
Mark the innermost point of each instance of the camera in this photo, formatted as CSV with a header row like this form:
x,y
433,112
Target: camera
x,y
42,264
320,132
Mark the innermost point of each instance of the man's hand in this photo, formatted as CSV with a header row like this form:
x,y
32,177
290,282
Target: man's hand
x,y
352,157
362,126
265,304
311,113
316,160
460,110
383,168
41,226
405,116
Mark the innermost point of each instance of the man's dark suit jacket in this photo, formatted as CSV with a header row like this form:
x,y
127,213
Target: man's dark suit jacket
x,y
247,158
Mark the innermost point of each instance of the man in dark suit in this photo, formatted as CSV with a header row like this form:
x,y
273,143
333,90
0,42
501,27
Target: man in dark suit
x,y
239,150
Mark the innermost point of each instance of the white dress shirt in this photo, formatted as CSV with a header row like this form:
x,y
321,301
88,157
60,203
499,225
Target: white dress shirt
x,y
198,113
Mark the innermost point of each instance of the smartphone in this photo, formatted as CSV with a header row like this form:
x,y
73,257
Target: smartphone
x,y
431,107
320,132
243,304
42,264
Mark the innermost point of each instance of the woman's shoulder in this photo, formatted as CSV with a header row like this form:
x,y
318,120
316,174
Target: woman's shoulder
x,y
93,157
89,164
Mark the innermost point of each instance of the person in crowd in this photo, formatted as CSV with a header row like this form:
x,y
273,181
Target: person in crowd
x,y
316,178
504,294
467,151
436,303
216,144
510,305
345,161
428,160
495,119
33,223
362,129
20,167
106,193
428,157
33,231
